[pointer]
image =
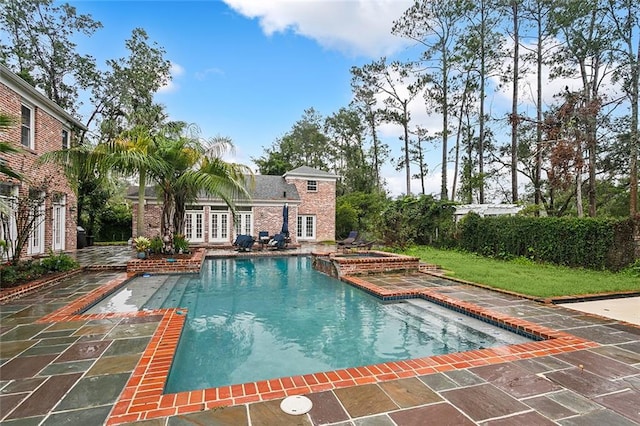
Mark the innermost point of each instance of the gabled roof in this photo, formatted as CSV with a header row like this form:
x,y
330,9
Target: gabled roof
x,y
306,171
20,86
265,188
273,188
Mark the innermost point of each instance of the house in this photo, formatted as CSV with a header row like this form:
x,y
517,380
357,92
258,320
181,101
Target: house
x,y
484,210
40,126
309,194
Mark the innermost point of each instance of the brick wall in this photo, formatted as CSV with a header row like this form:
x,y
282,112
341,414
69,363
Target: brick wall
x,y
321,203
270,219
152,216
47,137
190,265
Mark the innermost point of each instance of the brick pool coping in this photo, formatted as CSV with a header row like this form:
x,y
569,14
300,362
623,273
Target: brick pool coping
x,y
143,397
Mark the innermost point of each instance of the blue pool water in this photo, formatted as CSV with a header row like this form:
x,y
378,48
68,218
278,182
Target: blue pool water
x,y
262,318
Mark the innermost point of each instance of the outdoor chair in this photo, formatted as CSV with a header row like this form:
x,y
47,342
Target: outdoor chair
x,y
349,240
244,242
361,243
278,242
263,238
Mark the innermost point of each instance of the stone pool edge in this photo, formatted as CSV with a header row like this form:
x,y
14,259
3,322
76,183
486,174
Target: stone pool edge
x,y
142,397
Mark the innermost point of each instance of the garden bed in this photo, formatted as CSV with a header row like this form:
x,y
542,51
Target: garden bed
x,y
19,290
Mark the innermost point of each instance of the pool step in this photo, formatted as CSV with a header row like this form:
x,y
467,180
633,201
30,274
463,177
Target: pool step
x,y
157,300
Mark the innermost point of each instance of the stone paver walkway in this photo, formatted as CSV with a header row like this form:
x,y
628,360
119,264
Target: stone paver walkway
x,y
61,368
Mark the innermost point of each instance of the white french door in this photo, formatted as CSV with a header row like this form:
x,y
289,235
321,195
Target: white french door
x,y
243,222
219,229
306,227
59,217
36,240
194,226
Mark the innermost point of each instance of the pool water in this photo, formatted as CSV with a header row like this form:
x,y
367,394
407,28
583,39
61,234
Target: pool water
x,y
262,318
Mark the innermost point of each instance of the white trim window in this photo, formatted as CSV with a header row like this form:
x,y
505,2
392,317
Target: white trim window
x,y
27,126
243,222
8,226
65,139
59,219
306,229
312,186
194,224
36,239
219,225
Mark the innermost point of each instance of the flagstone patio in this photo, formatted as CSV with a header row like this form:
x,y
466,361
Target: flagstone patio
x,y
61,367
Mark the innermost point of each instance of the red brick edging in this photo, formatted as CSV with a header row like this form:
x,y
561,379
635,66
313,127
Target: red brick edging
x,y
143,397
11,293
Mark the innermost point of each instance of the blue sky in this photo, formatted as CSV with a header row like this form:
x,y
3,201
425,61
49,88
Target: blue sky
x,y
248,69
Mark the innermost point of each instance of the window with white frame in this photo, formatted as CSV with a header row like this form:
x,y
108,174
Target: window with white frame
x,y
26,137
8,227
36,239
59,218
243,221
312,185
219,224
65,139
194,224
306,227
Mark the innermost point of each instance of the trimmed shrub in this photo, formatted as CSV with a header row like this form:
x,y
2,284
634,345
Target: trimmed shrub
x,y
583,242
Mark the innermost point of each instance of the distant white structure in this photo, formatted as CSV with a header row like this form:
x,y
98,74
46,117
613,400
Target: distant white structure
x,y
487,210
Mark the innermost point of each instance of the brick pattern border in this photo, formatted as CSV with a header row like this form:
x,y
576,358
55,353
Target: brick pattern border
x,y
143,397
164,266
12,293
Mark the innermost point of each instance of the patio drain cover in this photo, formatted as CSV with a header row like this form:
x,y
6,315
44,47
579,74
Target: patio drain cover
x,y
296,405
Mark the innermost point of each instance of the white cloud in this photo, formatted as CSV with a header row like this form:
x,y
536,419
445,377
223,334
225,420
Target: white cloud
x,y
175,70
202,75
354,27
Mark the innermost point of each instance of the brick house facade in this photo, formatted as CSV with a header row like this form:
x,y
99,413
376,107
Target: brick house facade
x,y
39,126
309,194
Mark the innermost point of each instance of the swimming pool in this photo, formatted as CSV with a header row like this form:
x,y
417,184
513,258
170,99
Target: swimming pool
x,y
261,318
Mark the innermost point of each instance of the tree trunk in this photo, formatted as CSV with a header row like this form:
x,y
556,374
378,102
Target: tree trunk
x,y
141,203
514,105
445,126
406,145
635,138
538,176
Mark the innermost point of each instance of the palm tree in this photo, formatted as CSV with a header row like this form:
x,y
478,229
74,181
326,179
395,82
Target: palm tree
x,y
133,152
194,167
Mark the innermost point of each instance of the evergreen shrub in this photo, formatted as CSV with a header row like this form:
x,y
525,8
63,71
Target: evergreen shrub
x,y
579,242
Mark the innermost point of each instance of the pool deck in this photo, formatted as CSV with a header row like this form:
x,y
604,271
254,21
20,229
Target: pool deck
x,y
57,367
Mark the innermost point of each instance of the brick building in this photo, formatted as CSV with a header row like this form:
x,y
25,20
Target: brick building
x,y
39,126
309,194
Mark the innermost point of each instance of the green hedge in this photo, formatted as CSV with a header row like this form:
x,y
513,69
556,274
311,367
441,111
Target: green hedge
x,y
584,242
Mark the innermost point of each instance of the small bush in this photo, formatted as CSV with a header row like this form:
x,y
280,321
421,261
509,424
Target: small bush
x,y
180,243
156,244
29,270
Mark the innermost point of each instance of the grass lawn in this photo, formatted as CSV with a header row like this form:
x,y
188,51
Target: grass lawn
x,y
525,277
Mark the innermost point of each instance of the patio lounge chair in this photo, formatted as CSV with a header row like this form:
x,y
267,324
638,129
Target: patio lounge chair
x,y
244,242
360,243
349,240
279,241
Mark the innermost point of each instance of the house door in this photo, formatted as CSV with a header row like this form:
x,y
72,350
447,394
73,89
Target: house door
x,y
244,223
58,236
36,240
194,226
219,226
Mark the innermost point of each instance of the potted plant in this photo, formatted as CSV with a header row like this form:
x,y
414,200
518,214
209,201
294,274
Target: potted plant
x,y
180,244
142,244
